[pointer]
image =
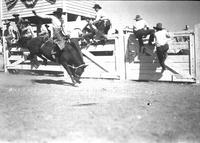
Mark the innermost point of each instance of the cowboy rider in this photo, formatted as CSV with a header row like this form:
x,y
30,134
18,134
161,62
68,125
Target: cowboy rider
x,y
57,26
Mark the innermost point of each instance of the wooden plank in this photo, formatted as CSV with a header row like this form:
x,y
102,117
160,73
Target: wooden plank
x,y
93,59
172,58
15,57
192,55
103,59
182,33
101,48
41,67
147,66
120,56
197,52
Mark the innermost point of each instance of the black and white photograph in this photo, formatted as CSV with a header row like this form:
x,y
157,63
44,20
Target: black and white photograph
x,y
85,71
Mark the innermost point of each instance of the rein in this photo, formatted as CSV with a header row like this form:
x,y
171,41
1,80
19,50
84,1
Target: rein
x,y
73,67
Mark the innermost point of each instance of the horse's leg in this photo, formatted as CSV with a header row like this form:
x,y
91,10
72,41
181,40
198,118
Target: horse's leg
x,y
33,60
65,65
43,58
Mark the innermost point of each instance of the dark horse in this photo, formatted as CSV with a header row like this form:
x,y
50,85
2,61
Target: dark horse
x,y
70,57
96,36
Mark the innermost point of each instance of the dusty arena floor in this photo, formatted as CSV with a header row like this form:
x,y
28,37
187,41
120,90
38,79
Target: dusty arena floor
x,y
47,109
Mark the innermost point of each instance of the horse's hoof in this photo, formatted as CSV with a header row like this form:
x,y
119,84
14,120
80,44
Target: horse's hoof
x,y
45,63
36,66
77,80
74,84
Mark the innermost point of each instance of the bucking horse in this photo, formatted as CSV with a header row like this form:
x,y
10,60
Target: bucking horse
x,y
70,57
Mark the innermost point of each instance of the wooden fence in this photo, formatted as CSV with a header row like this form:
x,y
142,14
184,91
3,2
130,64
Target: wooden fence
x,y
120,59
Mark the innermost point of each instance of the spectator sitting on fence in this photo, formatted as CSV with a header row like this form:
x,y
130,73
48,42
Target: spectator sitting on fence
x,y
19,22
161,41
101,24
9,35
141,29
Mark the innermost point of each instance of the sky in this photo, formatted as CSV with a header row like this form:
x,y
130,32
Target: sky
x,y
174,15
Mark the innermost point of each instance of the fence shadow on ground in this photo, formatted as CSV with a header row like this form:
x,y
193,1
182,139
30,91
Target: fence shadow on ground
x,y
50,81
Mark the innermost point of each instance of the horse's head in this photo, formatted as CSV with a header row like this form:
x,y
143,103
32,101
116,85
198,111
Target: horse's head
x,y
78,71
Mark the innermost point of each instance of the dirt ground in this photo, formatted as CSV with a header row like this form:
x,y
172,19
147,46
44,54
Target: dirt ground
x,y
47,109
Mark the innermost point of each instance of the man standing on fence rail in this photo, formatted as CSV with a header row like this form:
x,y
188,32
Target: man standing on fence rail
x,y
141,29
161,41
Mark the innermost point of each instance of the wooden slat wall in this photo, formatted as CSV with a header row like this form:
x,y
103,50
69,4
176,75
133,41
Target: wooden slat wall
x,y
42,6
83,8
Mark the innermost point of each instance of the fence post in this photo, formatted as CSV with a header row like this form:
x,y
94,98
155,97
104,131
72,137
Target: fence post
x,y
120,57
197,52
5,50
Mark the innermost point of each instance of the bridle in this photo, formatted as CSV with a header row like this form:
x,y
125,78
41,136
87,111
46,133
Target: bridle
x,y
76,68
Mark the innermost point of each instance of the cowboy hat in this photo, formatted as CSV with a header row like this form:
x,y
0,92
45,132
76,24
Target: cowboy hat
x,y
15,15
26,21
138,17
186,27
97,6
158,26
59,11
46,25
6,22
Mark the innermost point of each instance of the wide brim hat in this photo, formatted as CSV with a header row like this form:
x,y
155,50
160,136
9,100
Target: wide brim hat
x,y
138,17
59,11
97,6
46,25
15,15
6,22
26,21
186,27
158,26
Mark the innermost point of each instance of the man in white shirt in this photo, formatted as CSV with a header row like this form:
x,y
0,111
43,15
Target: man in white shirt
x,y
100,18
161,41
141,29
9,34
57,25
58,29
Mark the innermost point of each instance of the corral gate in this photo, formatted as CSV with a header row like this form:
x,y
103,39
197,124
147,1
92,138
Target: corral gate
x,y
101,65
101,60
145,66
